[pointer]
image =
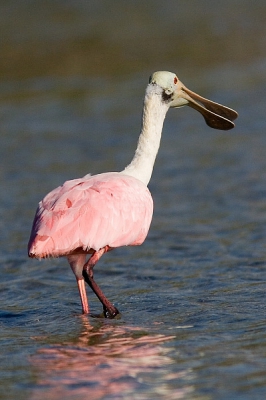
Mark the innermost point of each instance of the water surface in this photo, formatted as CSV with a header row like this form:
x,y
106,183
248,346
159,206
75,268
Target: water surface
x,y
192,298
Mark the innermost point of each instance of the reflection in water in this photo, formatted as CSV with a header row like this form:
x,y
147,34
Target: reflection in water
x,y
71,84
107,360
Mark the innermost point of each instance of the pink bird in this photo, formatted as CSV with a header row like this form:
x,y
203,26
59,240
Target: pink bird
x,y
95,214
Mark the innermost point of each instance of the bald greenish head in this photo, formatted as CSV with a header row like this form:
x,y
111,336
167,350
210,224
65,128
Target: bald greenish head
x,y
166,80
175,94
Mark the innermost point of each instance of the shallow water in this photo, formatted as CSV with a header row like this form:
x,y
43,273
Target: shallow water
x,y
192,297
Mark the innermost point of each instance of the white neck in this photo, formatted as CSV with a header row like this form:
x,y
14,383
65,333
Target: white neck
x,y
154,112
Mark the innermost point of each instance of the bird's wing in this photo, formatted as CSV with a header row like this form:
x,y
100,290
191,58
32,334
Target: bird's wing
x,y
102,210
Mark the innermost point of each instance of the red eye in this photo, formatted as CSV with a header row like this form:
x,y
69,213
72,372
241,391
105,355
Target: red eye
x,y
175,80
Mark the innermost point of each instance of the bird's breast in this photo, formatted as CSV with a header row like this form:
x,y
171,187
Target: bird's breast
x,y
90,213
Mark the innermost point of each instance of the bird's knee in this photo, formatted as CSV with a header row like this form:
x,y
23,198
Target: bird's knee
x,y
88,271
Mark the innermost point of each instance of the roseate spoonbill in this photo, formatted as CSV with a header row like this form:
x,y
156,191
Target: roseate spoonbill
x,y
95,214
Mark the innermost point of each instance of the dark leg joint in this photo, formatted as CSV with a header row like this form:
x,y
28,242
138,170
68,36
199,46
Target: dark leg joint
x,y
109,310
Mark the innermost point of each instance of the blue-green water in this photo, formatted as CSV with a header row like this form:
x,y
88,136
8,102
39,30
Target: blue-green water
x,y
192,297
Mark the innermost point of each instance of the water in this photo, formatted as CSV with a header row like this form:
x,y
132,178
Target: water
x,y
192,298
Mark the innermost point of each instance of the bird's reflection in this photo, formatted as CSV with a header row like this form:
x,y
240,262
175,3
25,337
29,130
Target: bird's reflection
x,y
107,360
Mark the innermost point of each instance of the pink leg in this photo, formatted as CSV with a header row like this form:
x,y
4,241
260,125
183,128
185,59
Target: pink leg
x,y
83,296
77,262
110,311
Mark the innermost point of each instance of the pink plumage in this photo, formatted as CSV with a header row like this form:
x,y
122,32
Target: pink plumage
x,y
95,214
109,209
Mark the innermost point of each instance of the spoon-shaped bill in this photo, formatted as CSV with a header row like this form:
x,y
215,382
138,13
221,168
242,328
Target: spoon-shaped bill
x,y
216,115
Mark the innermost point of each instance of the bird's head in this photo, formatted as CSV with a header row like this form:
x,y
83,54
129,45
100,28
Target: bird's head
x,y
176,94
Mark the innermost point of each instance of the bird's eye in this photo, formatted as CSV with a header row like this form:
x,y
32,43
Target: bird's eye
x,y
175,80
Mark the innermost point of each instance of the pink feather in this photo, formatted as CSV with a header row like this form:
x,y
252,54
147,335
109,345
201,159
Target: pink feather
x,y
109,209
